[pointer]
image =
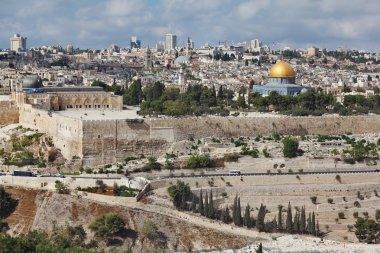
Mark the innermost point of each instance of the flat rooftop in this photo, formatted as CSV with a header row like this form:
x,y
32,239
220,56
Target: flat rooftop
x,y
100,114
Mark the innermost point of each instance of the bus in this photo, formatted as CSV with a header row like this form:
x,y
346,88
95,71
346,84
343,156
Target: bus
x,y
21,173
234,173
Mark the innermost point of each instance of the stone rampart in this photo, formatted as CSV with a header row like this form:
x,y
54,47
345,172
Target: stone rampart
x,y
9,113
67,133
109,141
200,127
101,142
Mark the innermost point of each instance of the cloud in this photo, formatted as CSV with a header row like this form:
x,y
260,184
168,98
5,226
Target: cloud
x,y
98,23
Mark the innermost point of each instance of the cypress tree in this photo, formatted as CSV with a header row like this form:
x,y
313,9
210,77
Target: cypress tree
x,y
220,94
211,210
238,214
296,223
247,217
193,204
201,206
260,248
260,225
183,204
309,224
317,229
226,218
206,206
303,220
289,223
234,207
279,222
313,231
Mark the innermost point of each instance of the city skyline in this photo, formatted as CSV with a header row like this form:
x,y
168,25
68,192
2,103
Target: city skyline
x,y
99,23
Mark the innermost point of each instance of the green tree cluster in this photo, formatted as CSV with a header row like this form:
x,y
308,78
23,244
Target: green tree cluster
x,y
107,226
366,230
66,240
179,193
290,147
199,161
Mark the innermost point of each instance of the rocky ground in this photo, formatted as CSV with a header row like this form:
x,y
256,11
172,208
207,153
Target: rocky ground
x,y
39,210
298,244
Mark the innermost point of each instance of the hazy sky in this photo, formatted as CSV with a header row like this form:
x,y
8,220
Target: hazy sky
x,y
99,23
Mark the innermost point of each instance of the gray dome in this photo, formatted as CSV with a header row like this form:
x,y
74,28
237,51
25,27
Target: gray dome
x,y
30,82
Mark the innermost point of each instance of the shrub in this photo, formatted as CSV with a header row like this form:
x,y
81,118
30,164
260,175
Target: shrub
x,y
290,147
7,203
199,161
234,157
330,201
377,215
365,215
61,188
338,178
107,226
313,199
150,230
266,153
341,215
355,215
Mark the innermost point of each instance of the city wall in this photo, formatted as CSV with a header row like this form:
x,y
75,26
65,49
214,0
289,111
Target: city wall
x,y
67,133
9,113
200,127
109,141
101,142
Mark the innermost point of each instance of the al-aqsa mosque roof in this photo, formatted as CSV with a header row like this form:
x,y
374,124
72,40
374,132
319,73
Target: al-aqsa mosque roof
x,y
282,69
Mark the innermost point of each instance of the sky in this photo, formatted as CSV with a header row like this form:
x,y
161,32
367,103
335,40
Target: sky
x,y
351,24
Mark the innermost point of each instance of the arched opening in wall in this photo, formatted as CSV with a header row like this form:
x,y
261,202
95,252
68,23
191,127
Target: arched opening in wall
x,y
96,102
105,103
87,103
77,103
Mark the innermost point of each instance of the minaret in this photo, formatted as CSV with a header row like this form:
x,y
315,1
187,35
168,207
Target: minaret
x,y
148,59
188,46
181,77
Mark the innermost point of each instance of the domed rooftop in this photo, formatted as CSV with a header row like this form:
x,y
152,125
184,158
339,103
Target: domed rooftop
x,y
282,69
30,82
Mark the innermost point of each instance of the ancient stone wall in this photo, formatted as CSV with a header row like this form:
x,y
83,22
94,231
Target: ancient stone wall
x,y
8,113
102,142
200,127
66,132
109,141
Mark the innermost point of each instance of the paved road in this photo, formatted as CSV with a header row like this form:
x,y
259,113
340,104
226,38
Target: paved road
x,y
278,174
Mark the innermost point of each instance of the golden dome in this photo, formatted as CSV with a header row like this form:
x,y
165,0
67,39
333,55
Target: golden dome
x,y
282,69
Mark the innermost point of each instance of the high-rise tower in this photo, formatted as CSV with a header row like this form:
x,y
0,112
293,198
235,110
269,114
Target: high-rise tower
x,y
18,42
